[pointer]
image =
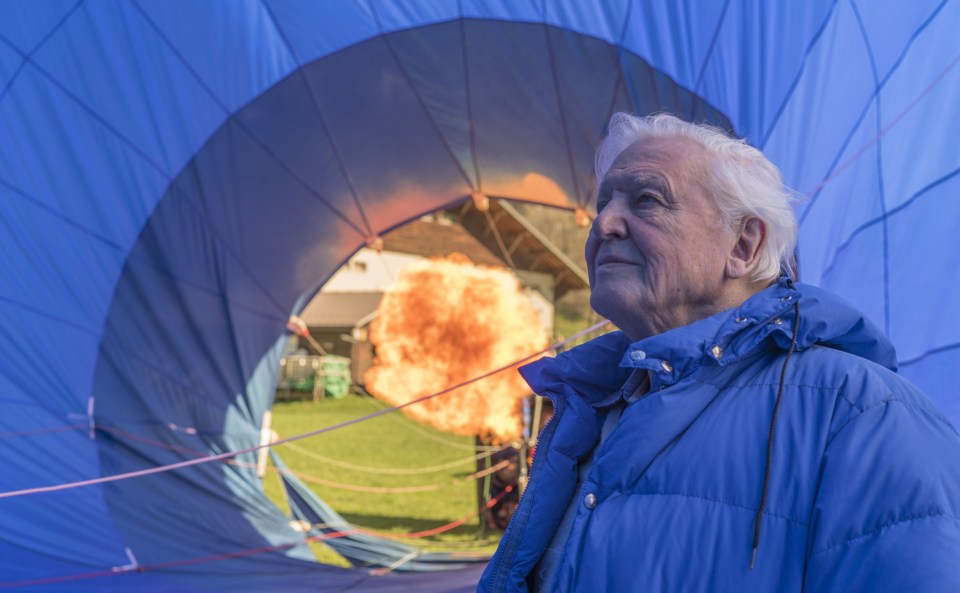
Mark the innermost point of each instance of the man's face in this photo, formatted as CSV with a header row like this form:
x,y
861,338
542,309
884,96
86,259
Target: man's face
x,y
657,251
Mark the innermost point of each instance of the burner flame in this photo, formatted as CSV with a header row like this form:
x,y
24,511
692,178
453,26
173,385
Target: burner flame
x,y
445,321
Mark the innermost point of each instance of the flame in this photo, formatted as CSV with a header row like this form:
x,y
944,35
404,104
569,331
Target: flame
x,y
447,320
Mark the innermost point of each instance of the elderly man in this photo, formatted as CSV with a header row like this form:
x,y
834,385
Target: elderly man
x,y
742,432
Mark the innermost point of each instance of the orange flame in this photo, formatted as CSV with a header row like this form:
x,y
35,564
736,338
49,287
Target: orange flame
x,y
445,321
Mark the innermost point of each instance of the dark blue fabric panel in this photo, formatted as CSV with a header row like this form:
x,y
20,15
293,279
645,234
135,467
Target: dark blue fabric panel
x,y
305,580
189,326
219,577
250,227
387,144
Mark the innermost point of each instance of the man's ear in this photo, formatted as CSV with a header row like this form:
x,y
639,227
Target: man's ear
x,y
745,254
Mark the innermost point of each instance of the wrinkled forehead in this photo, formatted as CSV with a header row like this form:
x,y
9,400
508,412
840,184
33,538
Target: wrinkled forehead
x,y
662,161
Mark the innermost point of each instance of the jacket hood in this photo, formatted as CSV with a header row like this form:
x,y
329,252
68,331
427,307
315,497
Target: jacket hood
x,y
765,320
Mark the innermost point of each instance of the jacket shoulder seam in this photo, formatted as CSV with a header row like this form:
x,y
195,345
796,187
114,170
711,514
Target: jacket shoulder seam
x,y
876,530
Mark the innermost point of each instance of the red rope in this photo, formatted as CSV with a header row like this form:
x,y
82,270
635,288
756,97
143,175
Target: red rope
x,y
251,552
863,150
36,431
452,525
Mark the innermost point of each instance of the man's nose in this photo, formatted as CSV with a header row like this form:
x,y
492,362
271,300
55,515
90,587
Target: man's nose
x,y
610,222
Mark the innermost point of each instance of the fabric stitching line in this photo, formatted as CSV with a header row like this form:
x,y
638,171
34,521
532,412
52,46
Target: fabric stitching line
x,y
418,95
931,352
889,214
715,500
315,100
713,45
880,177
231,117
26,58
813,41
877,530
743,385
558,95
877,405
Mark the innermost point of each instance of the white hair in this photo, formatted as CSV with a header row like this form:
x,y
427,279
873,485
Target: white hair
x,y
740,179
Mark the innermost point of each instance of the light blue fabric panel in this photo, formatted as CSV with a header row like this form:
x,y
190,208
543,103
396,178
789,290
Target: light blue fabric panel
x,y
919,148
760,51
68,532
878,232
131,82
889,30
26,26
298,21
233,49
924,231
673,36
64,241
936,372
826,106
11,63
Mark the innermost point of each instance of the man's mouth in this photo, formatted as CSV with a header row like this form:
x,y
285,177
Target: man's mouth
x,y
611,260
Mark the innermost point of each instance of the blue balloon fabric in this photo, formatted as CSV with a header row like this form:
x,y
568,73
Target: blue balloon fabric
x,y
178,177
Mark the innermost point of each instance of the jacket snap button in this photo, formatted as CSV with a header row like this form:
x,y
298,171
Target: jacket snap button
x,y
717,351
666,366
590,500
777,321
638,355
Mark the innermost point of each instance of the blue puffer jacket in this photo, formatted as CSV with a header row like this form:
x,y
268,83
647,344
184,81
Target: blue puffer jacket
x,y
864,484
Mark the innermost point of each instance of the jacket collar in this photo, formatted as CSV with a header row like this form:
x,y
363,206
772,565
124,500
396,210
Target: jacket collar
x,y
602,366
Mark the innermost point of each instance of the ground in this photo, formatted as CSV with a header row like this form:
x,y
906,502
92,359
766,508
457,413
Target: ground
x,y
389,442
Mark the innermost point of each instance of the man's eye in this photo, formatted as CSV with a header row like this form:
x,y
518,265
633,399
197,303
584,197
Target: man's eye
x,y
601,204
647,200
644,197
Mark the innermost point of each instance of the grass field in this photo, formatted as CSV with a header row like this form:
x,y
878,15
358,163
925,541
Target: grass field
x,y
360,453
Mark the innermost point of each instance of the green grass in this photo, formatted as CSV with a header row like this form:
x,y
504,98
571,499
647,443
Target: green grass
x,y
389,441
